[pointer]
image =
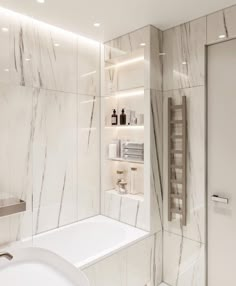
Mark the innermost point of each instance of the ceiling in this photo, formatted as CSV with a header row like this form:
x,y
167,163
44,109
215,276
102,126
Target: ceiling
x,y
117,17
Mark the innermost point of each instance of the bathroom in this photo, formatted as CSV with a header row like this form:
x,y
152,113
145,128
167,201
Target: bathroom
x,y
115,140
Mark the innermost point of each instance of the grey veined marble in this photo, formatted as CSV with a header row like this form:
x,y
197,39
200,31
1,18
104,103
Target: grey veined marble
x,y
36,55
221,25
196,205
184,47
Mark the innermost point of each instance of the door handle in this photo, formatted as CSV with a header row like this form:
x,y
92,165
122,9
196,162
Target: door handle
x,y
218,199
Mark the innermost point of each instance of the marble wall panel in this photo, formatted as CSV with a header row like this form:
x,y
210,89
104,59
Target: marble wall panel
x,y
35,54
88,67
88,158
183,64
55,152
126,208
184,261
51,139
155,73
122,49
127,43
16,125
56,59
156,160
133,266
221,25
5,48
184,75
196,205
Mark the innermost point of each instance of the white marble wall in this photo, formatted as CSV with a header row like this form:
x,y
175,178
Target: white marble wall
x,y
184,44
134,266
184,75
129,209
49,89
16,157
221,23
156,160
184,261
146,75
184,247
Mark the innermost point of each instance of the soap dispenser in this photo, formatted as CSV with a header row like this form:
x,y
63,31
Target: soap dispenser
x,y
123,117
114,118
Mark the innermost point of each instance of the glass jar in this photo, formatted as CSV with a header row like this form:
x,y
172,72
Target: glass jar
x,y
133,181
120,178
123,189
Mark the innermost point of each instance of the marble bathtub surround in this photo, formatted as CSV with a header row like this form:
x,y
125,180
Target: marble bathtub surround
x,y
49,85
54,161
126,267
77,179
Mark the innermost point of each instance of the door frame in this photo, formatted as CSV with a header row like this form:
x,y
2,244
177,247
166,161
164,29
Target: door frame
x,y
206,150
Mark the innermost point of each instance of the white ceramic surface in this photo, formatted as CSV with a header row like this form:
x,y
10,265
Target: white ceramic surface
x,y
90,240
35,266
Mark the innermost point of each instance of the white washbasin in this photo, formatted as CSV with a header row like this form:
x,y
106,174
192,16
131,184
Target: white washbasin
x,y
39,267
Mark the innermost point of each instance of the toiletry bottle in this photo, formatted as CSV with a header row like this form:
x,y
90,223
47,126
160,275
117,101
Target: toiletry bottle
x,y
123,117
133,178
114,118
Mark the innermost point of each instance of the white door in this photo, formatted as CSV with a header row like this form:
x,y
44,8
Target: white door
x,y
222,164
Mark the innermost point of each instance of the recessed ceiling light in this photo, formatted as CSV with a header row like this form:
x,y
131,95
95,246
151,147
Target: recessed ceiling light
x,y
41,1
162,54
56,44
184,63
97,25
6,70
143,44
4,29
27,59
222,36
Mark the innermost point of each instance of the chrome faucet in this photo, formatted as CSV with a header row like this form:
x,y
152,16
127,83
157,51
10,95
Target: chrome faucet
x,y
6,255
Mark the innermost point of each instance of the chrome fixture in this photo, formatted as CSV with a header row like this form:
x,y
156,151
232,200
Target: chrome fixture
x,y
11,206
218,199
7,255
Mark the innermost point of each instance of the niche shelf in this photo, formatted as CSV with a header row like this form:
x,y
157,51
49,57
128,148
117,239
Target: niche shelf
x,y
125,160
125,126
138,197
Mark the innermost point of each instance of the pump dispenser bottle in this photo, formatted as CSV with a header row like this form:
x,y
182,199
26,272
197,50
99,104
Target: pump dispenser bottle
x,y
123,117
114,118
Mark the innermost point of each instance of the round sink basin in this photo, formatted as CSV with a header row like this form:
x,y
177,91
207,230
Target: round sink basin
x,y
39,267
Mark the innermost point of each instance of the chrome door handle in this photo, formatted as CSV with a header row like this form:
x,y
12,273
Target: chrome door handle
x,y
218,199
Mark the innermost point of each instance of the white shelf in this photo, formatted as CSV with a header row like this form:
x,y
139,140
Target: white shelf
x,y
125,126
125,160
138,197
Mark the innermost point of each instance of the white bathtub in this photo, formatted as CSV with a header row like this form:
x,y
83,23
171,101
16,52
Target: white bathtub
x,y
88,241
